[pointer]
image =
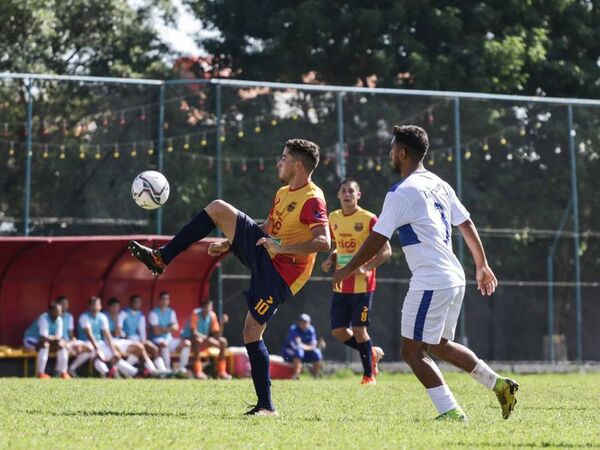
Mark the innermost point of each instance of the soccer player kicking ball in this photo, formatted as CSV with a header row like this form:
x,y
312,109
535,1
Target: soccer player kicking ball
x,y
280,253
423,207
351,301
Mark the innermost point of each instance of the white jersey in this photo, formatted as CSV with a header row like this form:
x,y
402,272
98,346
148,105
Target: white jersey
x,y
422,207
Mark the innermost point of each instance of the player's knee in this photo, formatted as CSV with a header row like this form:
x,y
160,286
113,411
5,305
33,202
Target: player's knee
x,y
223,341
360,334
187,343
45,344
411,354
217,207
339,333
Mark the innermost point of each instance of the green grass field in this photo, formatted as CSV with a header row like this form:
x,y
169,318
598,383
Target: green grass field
x,y
334,412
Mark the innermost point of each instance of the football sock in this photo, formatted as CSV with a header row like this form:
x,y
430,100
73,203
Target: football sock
x,y
79,360
193,231
184,358
442,398
42,359
126,369
365,349
484,374
259,367
149,365
166,356
160,364
351,343
222,366
62,360
133,360
101,367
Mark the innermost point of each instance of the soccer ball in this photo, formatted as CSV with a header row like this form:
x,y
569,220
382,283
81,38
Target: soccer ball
x,y
150,189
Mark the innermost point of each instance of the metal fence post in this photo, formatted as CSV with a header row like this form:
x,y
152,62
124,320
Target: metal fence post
x,y
28,157
341,154
458,168
219,166
576,245
159,149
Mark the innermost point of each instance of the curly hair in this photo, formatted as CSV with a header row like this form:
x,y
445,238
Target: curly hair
x,y
413,138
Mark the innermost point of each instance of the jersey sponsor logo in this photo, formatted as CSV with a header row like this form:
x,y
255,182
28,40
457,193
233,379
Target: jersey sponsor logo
x,y
346,244
263,305
358,227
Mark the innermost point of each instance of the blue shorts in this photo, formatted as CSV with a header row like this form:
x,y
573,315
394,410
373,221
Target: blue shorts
x,y
267,288
307,356
350,309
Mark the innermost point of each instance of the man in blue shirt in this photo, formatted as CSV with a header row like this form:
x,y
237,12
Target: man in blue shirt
x,y
301,346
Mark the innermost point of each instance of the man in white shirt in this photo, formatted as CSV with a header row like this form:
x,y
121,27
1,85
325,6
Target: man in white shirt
x,y
423,207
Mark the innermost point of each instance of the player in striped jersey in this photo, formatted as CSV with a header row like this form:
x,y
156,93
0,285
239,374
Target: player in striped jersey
x,y
351,302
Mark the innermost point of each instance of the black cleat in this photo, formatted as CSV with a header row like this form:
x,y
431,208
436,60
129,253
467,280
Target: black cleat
x,y
257,411
150,257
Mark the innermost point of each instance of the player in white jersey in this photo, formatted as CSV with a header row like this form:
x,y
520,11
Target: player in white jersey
x,y
423,207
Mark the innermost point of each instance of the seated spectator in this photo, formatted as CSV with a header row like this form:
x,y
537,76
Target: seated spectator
x,y
133,328
301,346
82,351
204,330
94,328
45,334
163,323
134,350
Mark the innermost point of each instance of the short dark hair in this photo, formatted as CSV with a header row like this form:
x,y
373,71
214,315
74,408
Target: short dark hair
x,y
133,297
306,152
349,180
113,301
93,299
163,293
60,298
413,138
53,305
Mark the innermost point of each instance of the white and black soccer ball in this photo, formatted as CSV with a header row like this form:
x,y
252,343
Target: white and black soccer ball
x,y
150,189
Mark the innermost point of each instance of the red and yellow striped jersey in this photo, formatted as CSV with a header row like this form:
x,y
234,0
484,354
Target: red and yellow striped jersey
x,y
348,233
293,215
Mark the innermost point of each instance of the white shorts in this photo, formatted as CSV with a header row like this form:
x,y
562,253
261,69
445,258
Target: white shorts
x,y
123,344
135,338
429,316
173,343
75,345
30,343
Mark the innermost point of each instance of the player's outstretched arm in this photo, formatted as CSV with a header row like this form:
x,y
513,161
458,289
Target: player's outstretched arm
x,y
321,242
486,280
366,252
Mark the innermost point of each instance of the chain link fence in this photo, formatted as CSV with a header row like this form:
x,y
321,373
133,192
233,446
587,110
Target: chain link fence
x,y
526,168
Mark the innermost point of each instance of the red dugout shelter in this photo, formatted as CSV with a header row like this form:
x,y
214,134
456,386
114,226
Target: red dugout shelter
x,y
35,271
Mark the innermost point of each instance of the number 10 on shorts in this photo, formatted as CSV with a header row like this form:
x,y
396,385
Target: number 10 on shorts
x,y
263,305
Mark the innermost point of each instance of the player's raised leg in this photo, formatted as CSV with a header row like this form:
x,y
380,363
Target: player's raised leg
x,y
218,214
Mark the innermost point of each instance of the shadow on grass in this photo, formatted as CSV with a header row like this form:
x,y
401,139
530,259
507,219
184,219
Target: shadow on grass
x,y
105,413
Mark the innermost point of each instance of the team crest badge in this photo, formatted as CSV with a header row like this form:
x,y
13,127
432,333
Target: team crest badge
x,y
291,207
358,227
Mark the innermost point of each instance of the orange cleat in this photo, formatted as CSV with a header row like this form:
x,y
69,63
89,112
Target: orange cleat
x,y
43,376
377,355
65,376
368,380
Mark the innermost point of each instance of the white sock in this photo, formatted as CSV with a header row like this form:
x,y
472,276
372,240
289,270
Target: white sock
x,y
485,375
148,364
166,356
101,367
184,358
133,360
160,364
79,360
62,360
126,369
442,398
42,359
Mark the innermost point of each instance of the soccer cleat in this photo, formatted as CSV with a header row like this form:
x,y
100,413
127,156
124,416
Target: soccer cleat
x,y
151,258
257,411
43,376
113,372
368,380
65,376
223,376
377,355
505,390
455,414
200,375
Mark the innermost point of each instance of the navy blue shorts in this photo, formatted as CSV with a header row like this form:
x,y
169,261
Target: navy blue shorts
x,y
307,356
267,289
350,309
